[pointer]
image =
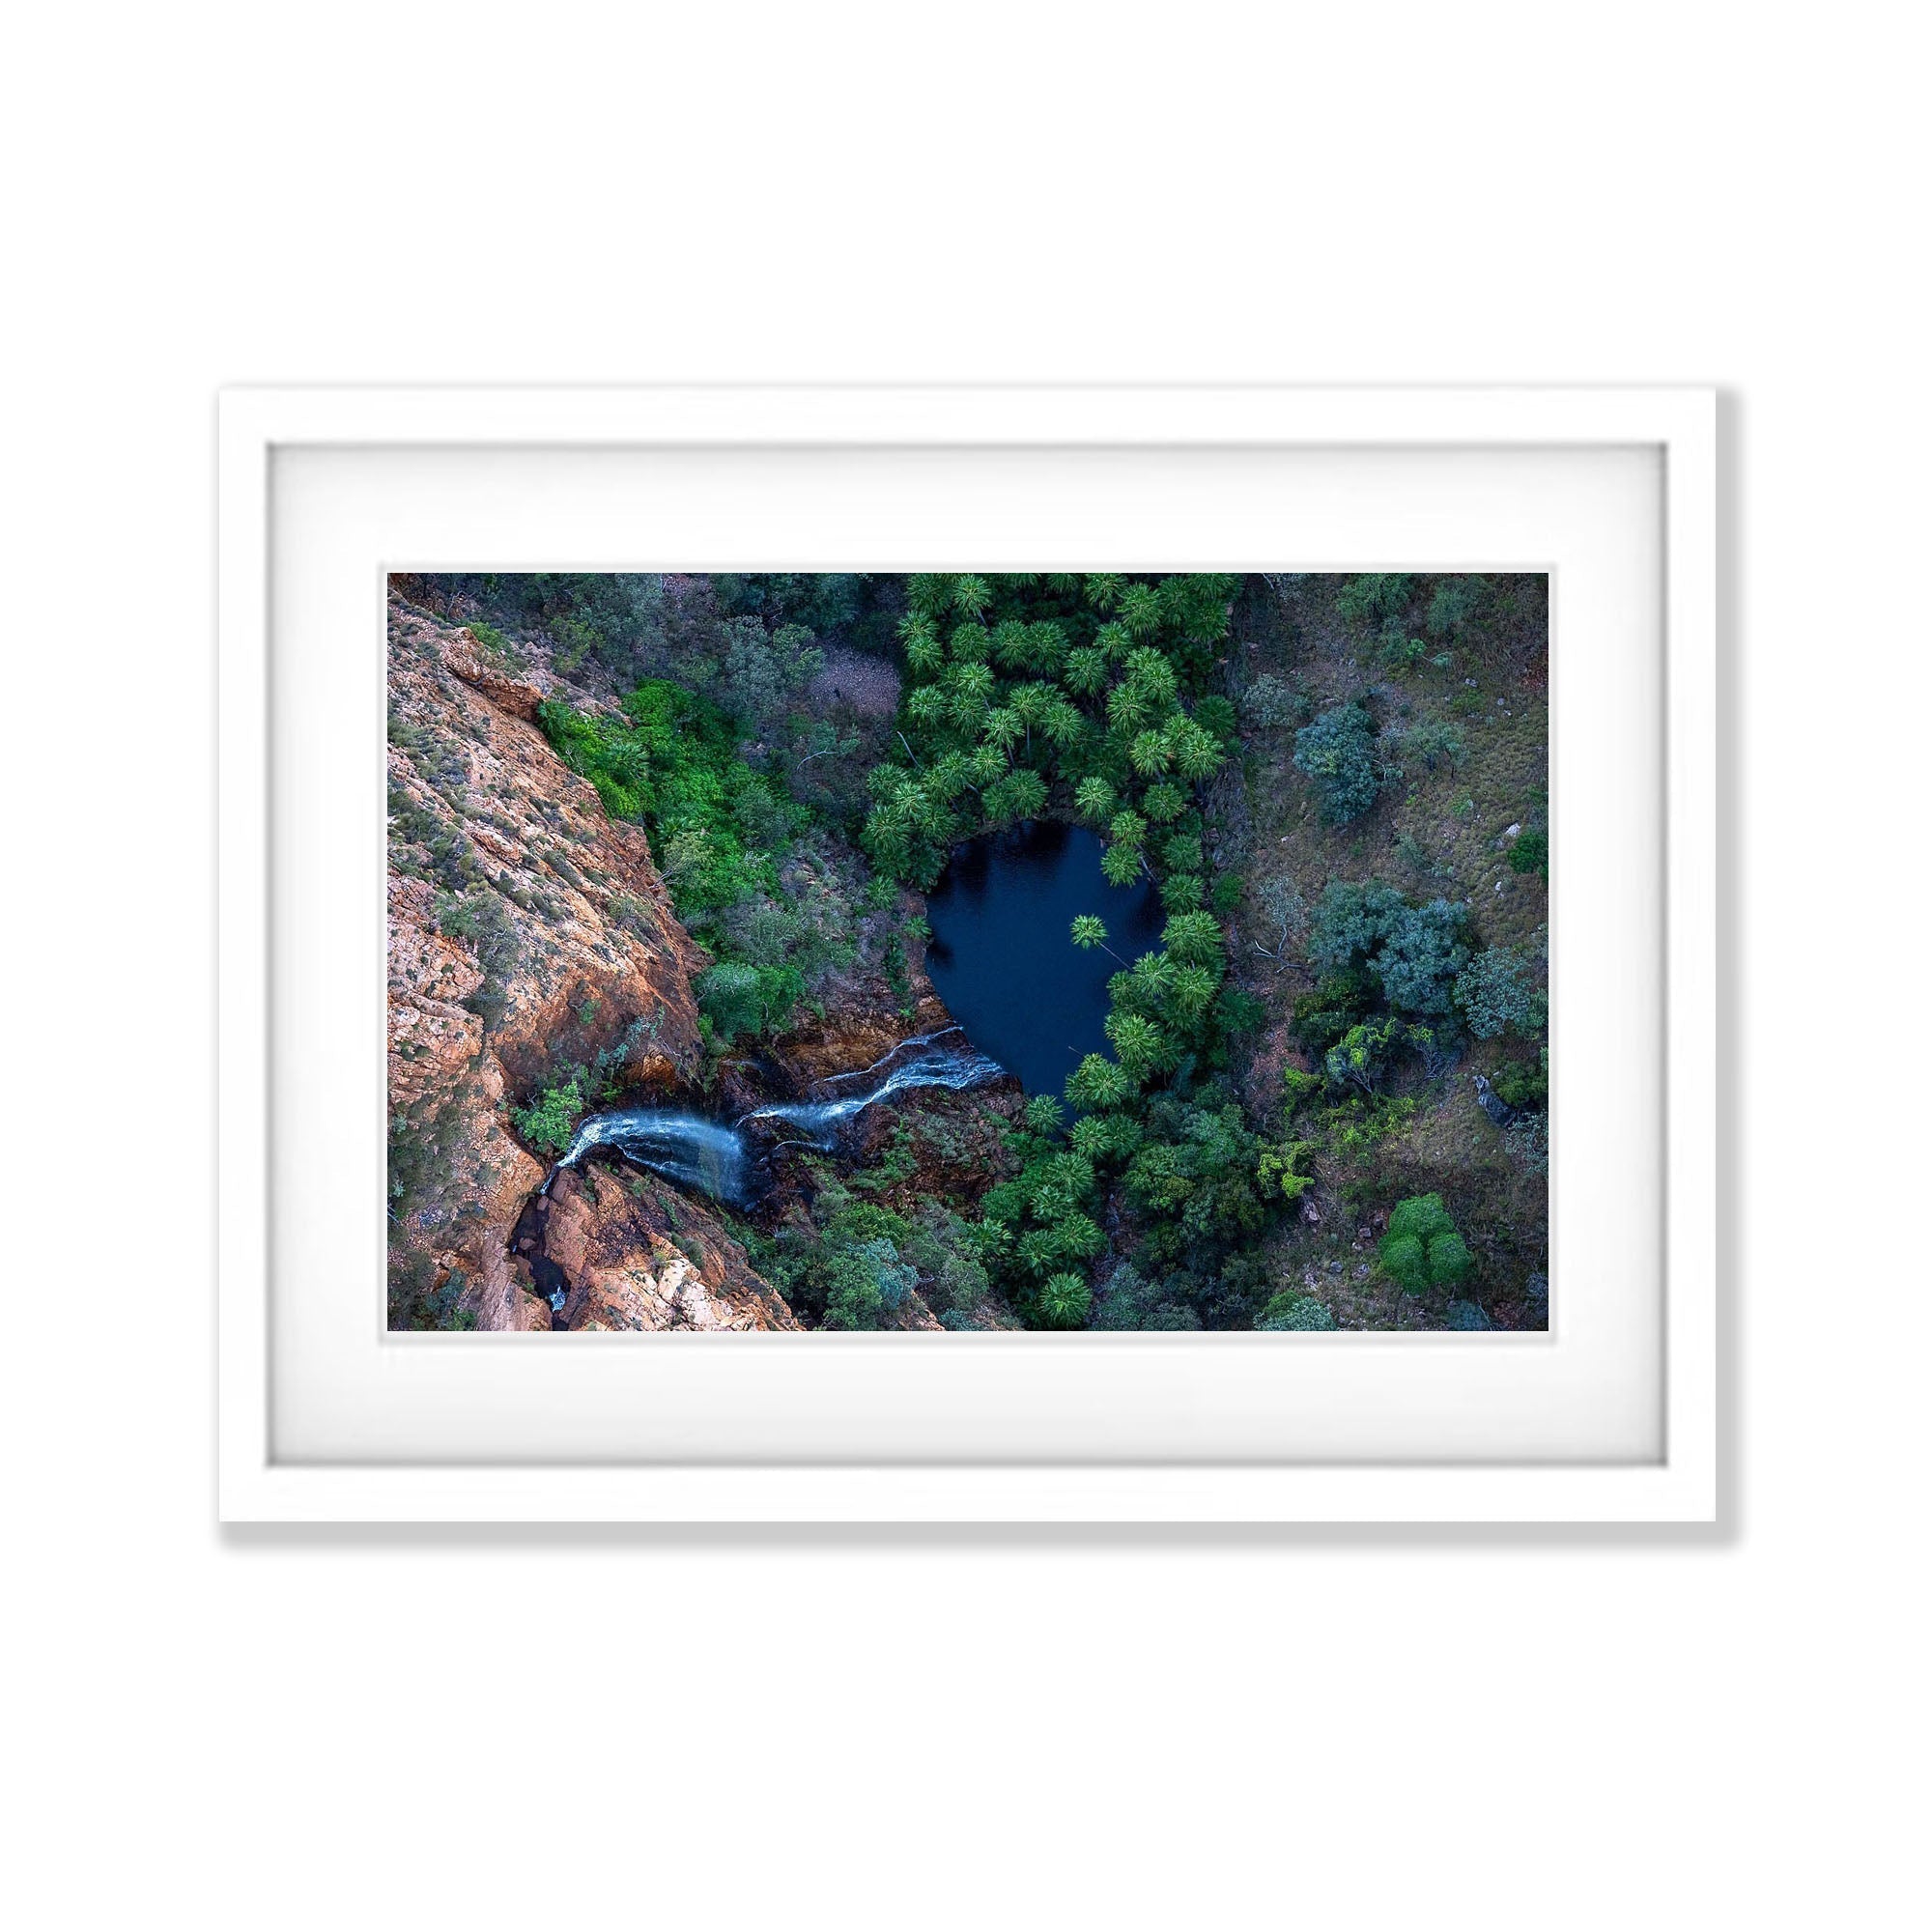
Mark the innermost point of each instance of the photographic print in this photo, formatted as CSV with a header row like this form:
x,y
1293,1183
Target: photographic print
x,y
968,951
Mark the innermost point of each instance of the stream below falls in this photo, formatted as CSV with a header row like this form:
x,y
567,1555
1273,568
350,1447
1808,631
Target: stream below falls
x,y
725,1160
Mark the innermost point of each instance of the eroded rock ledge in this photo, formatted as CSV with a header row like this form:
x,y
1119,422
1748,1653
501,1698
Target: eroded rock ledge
x,y
527,933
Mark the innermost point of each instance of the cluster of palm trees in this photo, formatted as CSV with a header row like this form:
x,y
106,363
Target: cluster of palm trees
x,y
1024,682
1162,1006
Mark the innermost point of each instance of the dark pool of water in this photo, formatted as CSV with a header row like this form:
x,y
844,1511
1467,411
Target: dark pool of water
x,y
1001,956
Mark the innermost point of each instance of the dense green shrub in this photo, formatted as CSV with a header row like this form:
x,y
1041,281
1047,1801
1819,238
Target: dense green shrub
x,y
1065,1301
1530,853
1413,952
1455,602
728,996
1372,602
1290,1311
1338,753
749,872
1524,1087
550,1123
1496,994
1272,701
1429,742
1364,1056
1422,1249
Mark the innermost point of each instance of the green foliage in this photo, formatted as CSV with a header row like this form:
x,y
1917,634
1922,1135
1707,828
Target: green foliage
x,y
550,1123
1197,1179
1098,1083
1455,602
1340,999
1413,952
1089,931
1422,1249
1362,1057
1336,752
1374,602
1297,1087
728,996
1195,938
748,874
1524,1087
1496,994
1530,853
1289,1312
1065,1301
1430,742
1272,701
1276,1170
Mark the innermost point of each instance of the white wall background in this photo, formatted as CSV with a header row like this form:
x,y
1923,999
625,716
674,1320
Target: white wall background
x,y
692,1731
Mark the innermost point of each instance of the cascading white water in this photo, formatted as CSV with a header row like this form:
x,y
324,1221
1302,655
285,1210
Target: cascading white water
x,y
714,1157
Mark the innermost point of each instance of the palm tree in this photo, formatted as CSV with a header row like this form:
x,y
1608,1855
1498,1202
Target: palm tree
x,y
1089,931
1143,1047
986,765
1192,990
1046,646
971,644
1149,753
1163,801
971,595
1098,1083
1013,644
1128,828
1032,703
1022,795
1103,589
1151,671
1095,798
1127,708
927,705
1062,724
921,638
973,681
1086,672
1194,938
1140,609
1154,974
1198,752
929,591
1002,727
1120,864
952,775
1182,891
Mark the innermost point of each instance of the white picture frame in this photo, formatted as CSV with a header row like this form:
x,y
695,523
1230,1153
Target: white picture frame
x,y
564,1477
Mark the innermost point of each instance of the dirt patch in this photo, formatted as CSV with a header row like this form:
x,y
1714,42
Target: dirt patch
x,y
870,686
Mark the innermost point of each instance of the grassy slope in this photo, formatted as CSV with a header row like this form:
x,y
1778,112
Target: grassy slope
x,y
1493,693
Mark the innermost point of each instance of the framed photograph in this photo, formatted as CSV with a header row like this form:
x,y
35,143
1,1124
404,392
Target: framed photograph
x,y
967,955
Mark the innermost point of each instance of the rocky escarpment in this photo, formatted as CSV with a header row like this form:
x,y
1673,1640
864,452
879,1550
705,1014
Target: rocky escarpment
x,y
631,1253
528,934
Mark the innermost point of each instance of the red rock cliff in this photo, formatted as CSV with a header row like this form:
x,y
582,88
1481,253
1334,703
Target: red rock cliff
x,y
528,934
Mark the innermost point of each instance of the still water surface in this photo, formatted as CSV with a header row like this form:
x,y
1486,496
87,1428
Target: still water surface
x,y
1001,956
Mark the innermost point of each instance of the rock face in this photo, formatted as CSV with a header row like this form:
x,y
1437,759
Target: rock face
x,y
528,934
637,1255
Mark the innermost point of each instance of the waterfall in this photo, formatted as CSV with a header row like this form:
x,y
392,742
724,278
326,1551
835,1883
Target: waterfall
x,y
716,1157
